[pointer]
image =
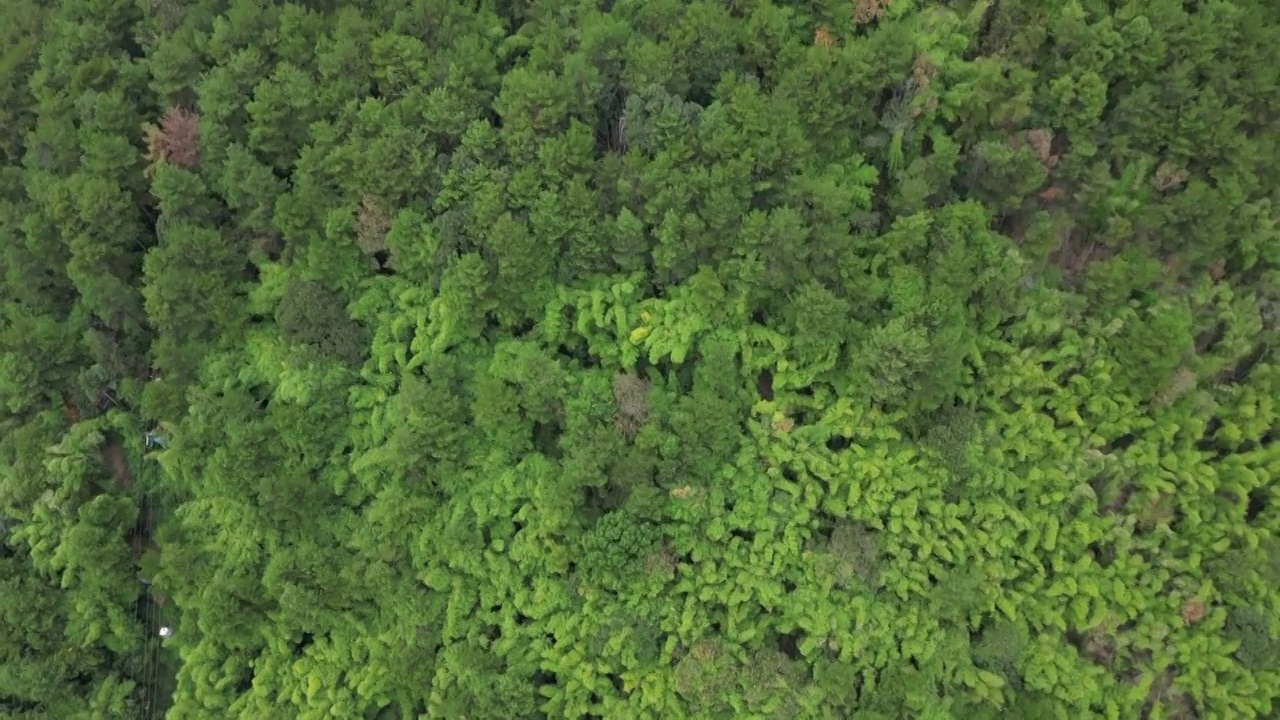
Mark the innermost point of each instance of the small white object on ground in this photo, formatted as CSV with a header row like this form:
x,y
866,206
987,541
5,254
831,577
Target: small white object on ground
x,y
165,632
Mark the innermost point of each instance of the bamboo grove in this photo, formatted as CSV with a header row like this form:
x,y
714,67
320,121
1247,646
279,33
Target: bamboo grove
x,y
639,359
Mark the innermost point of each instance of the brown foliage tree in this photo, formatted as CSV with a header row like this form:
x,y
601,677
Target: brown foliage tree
x,y
630,393
864,11
372,223
175,139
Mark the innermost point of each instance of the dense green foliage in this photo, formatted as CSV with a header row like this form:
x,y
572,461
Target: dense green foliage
x,y
639,359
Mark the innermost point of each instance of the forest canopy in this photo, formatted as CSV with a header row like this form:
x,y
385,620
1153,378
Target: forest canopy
x,y
639,359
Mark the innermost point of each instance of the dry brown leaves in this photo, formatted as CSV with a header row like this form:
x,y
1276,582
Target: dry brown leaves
x,y
1182,382
1169,177
864,11
1218,270
923,70
1052,194
175,140
630,394
372,223
783,424
1193,611
1040,141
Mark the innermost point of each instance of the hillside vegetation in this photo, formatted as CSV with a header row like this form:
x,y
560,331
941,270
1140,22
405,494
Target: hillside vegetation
x,y
639,359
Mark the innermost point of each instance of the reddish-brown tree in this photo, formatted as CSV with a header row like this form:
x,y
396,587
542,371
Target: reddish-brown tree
x,y
175,139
